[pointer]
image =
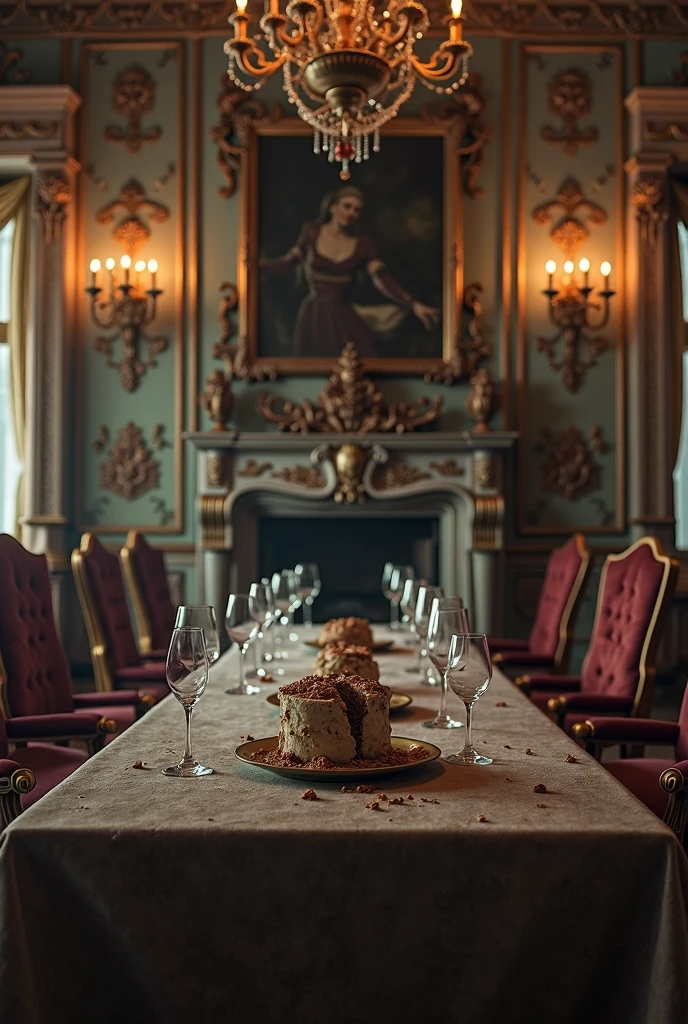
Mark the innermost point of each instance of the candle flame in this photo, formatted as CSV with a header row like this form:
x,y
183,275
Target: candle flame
x,y
568,267
456,8
241,5
139,266
125,262
550,267
153,266
109,263
584,266
606,269
94,266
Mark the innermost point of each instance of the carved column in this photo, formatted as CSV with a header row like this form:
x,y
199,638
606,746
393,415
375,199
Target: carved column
x,y
487,553
214,555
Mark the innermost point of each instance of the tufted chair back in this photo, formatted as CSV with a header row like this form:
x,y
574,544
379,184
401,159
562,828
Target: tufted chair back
x,y
34,676
567,570
636,588
144,571
99,582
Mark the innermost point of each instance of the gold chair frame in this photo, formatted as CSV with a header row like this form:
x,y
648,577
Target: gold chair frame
x,y
143,625
96,635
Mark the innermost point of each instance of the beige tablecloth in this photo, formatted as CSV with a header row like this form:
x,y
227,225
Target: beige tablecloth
x,y
126,896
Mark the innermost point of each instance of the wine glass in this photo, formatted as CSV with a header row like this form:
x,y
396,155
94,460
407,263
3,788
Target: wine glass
x,y
426,595
447,617
469,671
295,602
187,677
202,615
283,587
387,572
395,589
260,601
308,586
241,628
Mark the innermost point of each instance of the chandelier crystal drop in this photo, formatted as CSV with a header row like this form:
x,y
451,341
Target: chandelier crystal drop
x,y
348,68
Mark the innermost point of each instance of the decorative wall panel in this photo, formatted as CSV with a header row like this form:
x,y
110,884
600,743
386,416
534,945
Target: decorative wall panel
x,y
133,203
570,349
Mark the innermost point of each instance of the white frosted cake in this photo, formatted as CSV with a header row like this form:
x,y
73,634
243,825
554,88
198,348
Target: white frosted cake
x,y
349,631
340,658
338,717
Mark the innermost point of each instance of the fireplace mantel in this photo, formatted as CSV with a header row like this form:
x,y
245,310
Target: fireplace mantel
x,y
458,477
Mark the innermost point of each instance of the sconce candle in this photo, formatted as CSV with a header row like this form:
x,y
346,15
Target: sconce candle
x,y
605,271
584,267
153,267
125,264
455,31
94,268
550,270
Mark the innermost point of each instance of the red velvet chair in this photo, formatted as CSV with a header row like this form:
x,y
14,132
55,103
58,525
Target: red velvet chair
x,y
154,610
617,677
35,686
550,638
660,782
114,654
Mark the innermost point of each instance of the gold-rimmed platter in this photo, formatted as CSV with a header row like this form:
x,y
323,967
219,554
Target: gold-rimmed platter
x,y
397,701
377,647
244,751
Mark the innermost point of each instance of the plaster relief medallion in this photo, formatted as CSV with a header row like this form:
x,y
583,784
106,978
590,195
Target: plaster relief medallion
x,y
251,468
54,194
570,99
133,95
130,469
215,470
570,232
647,195
132,232
569,468
448,467
304,476
485,471
399,474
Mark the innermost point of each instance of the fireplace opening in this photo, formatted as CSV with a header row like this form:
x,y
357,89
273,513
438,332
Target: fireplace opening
x,y
350,553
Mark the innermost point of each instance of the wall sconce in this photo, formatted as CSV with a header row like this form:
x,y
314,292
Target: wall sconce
x,y
129,308
572,308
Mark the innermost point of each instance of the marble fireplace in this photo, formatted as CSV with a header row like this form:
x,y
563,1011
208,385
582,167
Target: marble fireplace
x,y
450,484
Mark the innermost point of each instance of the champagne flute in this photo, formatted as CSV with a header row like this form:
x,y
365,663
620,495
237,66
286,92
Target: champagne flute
x,y
407,610
447,617
469,671
241,629
269,654
187,677
426,595
398,577
259,595
387,573
202,615
295,603
308,586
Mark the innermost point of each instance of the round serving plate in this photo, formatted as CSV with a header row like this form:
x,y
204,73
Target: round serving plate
x,y
379,646
244,751
397,701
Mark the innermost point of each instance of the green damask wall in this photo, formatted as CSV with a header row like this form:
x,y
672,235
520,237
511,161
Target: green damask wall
x,y
505,250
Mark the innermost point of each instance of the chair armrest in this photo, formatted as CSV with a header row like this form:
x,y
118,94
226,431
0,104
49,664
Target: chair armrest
x,y
505,643
547,681
674,781
157,655
520,658
626,730
90,729
588,704
115,698
14,782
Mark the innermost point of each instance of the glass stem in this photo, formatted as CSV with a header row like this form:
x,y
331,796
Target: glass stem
x,y
308,611
188,752
241,665
443,695
272,630
393,617
469,724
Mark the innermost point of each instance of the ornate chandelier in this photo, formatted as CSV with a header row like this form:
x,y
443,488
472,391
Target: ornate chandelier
x,y
347,68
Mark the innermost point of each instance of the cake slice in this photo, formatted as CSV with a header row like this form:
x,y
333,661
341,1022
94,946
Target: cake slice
x,y
340,717
348,630
340,658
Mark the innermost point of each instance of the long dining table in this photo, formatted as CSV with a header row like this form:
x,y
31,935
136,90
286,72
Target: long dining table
x,y
128,896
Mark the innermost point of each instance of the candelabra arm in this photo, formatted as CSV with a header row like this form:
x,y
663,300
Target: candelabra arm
x,y
604,318
104,322
444,62
151,301
263,68
382,34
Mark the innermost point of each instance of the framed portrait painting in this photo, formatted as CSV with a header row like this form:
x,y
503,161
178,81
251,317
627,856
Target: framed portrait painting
x,y
375,260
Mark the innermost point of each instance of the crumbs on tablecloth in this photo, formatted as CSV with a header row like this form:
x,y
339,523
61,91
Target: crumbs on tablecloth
x,y
540,805
248,738
267,678
529,751
540,788
481,817
427,800
501,704
507,746
410,796
508,780
364,789
397,800
309,794
211,819
570,759
382,796
373,806
139,764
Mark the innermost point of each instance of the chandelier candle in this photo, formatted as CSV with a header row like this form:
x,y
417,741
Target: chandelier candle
x,y
347,68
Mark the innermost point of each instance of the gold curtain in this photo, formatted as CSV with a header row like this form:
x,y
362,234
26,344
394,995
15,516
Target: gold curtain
x,y
15,204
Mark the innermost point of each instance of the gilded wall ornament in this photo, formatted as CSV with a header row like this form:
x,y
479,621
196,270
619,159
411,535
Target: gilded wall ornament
x,y
657,131
165,515
349,462
234,354
62,19
215,469
633,18
238,111
448,467
14,131
102,440
217,399
251,468
10,73
570,99
130,469
349,404
399,474
647,195
466,112
569,468
53,194
485,471
482,401
570,232
132,232
304,476
133,95
465,355
195,17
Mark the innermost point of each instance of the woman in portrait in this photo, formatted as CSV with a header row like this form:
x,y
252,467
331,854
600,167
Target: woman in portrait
x,y
332,255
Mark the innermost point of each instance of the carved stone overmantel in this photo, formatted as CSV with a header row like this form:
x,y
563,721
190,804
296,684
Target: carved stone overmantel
x,y
457,477
37,137
659,138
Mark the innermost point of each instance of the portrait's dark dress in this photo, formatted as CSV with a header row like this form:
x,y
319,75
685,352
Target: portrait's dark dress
x,y
327,320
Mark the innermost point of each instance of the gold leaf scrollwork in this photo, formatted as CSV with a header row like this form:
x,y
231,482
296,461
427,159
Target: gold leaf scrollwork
x,y
349,404
466,113
399,474
465,355
13,131
234,354
448,467
251,468
570,99
238,111
130,469
570,233
133,95
647,195
569,468
132,233
304,476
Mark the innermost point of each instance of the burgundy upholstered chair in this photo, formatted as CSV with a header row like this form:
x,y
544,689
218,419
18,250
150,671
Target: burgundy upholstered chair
x,y
114,654
617,676
651,779
548,645
154,610
35,687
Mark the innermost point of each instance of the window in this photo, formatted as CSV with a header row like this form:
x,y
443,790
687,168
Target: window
x,y
10,467
683,254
